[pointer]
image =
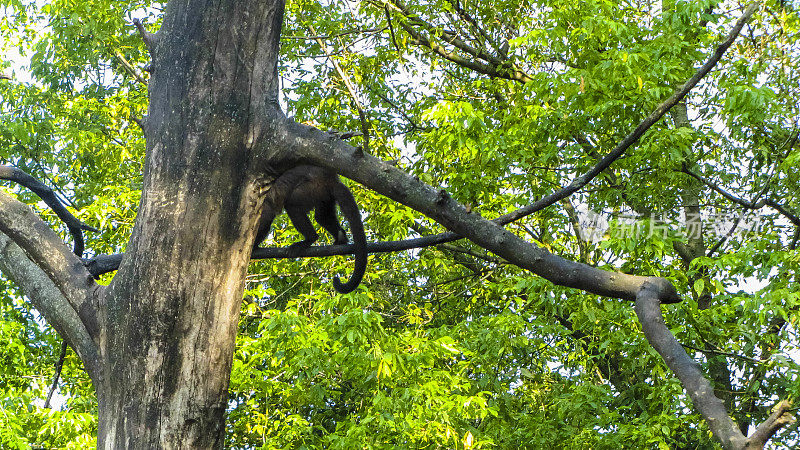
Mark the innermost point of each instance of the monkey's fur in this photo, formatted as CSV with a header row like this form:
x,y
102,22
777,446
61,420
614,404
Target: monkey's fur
x,y
303,188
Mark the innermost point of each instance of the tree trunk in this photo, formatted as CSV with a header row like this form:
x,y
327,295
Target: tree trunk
x,y
170,315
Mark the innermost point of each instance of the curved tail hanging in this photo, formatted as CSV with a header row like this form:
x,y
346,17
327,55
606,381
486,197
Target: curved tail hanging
x,y
350,211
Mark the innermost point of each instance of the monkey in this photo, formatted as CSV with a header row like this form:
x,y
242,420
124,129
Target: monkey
x,y
303,188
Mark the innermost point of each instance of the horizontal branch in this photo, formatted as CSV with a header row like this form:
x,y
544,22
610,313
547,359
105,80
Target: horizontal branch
x,y
726,354
315,147
101,264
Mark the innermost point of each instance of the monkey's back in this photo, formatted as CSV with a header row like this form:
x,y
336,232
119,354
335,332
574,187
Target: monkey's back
x,y
312,185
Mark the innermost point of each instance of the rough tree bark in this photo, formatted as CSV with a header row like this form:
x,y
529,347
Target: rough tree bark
x,y
170,314
158,341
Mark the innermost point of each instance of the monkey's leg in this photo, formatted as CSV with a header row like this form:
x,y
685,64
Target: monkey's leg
x,y
325,215
264,224
302,223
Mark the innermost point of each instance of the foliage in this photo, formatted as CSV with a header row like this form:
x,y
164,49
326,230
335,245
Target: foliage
x,y
26,370
449,346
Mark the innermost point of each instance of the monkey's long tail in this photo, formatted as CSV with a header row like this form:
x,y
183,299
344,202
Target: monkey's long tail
x,y
350,211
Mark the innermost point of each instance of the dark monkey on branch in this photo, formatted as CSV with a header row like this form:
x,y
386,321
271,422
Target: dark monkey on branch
x,y
303,188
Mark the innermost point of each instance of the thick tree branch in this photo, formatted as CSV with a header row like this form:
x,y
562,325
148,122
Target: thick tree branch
x,y
312,146
779,418
318,148
606,161
150,39
74,225
50,301
573,187
45,249
648,310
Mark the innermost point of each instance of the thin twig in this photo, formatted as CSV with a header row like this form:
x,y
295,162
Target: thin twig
x,y
351,90
492,65
335,35
391,28
727,236
414,125
57,375
471,20
634,136
749,204
728,354
129,68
